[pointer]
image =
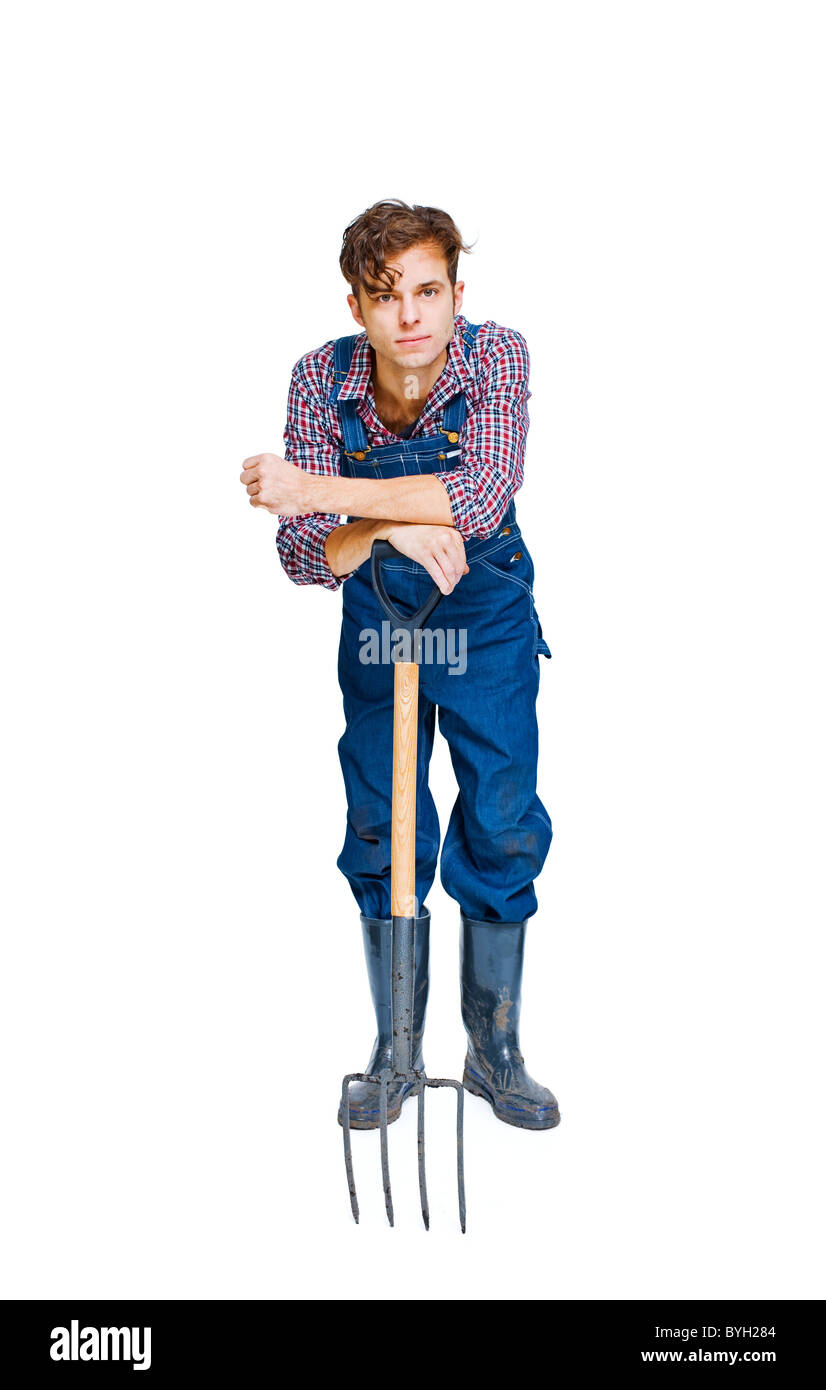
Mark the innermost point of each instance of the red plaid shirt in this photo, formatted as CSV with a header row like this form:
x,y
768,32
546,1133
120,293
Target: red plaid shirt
x,y
492,441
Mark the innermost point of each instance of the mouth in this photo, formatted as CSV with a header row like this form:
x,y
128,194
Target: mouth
x,y
405,342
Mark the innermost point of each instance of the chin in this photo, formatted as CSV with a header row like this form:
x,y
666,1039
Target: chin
x,y
422,356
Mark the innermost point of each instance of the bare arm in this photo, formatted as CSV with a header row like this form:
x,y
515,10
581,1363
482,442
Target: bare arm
x,y
287,490
349,546
421,498
440,549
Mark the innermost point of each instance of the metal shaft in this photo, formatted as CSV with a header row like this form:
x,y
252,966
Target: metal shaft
x,y
403,973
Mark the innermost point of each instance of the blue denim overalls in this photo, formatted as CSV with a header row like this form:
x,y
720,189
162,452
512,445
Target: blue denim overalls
x,y
499,832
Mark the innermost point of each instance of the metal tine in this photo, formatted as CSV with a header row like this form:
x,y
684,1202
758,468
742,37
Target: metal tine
x,y
348,1150
422,1177
385,1165
460,1142
345,1125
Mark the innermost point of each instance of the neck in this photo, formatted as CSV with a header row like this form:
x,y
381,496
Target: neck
x,y
404,390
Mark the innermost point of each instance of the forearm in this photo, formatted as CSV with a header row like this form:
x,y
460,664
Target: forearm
x,y
422,498
438,549
349,546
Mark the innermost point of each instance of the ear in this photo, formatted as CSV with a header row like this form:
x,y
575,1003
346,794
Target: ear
x,y
458,295
355,311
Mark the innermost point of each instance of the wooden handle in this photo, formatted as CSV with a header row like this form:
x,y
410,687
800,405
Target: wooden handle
x,y
403,835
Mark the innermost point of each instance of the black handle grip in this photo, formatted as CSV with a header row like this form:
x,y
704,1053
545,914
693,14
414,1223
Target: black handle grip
x,y
383,550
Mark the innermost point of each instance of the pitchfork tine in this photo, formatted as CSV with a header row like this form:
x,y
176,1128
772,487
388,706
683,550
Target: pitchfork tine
x,y
385,1165
348,1151
460,1152
422,1177
460,1142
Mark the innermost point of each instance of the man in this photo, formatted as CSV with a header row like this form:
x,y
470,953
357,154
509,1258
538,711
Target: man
x,y
415,429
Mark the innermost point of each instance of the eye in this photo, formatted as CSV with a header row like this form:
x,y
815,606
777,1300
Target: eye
x,y
430,290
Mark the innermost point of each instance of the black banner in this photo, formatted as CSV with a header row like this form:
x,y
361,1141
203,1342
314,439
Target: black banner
x,y
169,1340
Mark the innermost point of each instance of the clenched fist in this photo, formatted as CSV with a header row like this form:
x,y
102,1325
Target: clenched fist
x,y
279,486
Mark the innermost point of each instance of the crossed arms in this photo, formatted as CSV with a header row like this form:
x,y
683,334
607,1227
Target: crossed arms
x,y
431,514
413,513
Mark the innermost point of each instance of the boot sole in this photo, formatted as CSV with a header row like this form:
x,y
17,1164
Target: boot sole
x,y
546,1118
371,1119
363,1122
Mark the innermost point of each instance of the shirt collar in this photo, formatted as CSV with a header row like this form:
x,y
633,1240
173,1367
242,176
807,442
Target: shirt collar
x,y
456,373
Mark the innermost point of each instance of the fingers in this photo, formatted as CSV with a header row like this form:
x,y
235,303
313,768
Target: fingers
x,y
451,558
251,477
438,575
444,570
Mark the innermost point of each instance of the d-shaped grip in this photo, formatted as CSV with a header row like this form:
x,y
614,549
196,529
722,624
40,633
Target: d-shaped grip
x,y
383,550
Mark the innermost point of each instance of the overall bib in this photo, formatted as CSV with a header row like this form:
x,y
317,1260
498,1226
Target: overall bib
x,y
483,678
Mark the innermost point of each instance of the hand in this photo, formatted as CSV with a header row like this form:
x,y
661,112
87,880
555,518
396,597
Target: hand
x,y
279,486
440,549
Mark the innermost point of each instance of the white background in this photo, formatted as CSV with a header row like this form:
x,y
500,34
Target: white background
x,y
183,985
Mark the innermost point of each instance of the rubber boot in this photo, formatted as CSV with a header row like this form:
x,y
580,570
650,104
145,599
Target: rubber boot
x,y
491,964
364,1096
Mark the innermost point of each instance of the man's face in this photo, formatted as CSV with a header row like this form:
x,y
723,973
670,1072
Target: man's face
x,y
411,324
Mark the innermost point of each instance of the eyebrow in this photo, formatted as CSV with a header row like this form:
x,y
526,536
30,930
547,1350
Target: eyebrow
x,y
381,289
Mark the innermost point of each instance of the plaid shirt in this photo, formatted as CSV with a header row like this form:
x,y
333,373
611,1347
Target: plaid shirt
x,y
492,441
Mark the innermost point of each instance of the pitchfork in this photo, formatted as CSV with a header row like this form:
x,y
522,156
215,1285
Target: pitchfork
x,y
403,906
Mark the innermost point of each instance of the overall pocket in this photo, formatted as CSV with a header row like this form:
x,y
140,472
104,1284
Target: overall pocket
x,y
512,563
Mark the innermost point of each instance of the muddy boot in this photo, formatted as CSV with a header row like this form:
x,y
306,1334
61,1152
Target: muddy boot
x,y
364,1096
491,962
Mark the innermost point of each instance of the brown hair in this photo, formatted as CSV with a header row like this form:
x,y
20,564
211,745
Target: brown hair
x,y
392,226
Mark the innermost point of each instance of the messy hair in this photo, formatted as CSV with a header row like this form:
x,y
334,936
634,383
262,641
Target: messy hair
x,y
392,226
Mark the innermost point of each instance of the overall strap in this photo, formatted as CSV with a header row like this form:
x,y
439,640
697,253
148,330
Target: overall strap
x,y
456,409
355,439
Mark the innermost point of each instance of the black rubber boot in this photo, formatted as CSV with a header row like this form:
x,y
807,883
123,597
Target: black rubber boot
x,y
491,957
364,1096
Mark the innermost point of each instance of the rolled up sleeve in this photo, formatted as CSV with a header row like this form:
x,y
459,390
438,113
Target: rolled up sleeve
x,y
301,539
492,442
301,542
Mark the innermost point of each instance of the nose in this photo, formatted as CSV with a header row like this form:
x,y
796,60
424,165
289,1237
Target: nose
x,y
408,311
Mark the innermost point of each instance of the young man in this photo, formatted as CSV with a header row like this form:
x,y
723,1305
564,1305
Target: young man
x,y
415,429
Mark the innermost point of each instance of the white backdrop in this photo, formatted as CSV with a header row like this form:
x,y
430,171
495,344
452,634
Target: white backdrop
x,y
183,985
